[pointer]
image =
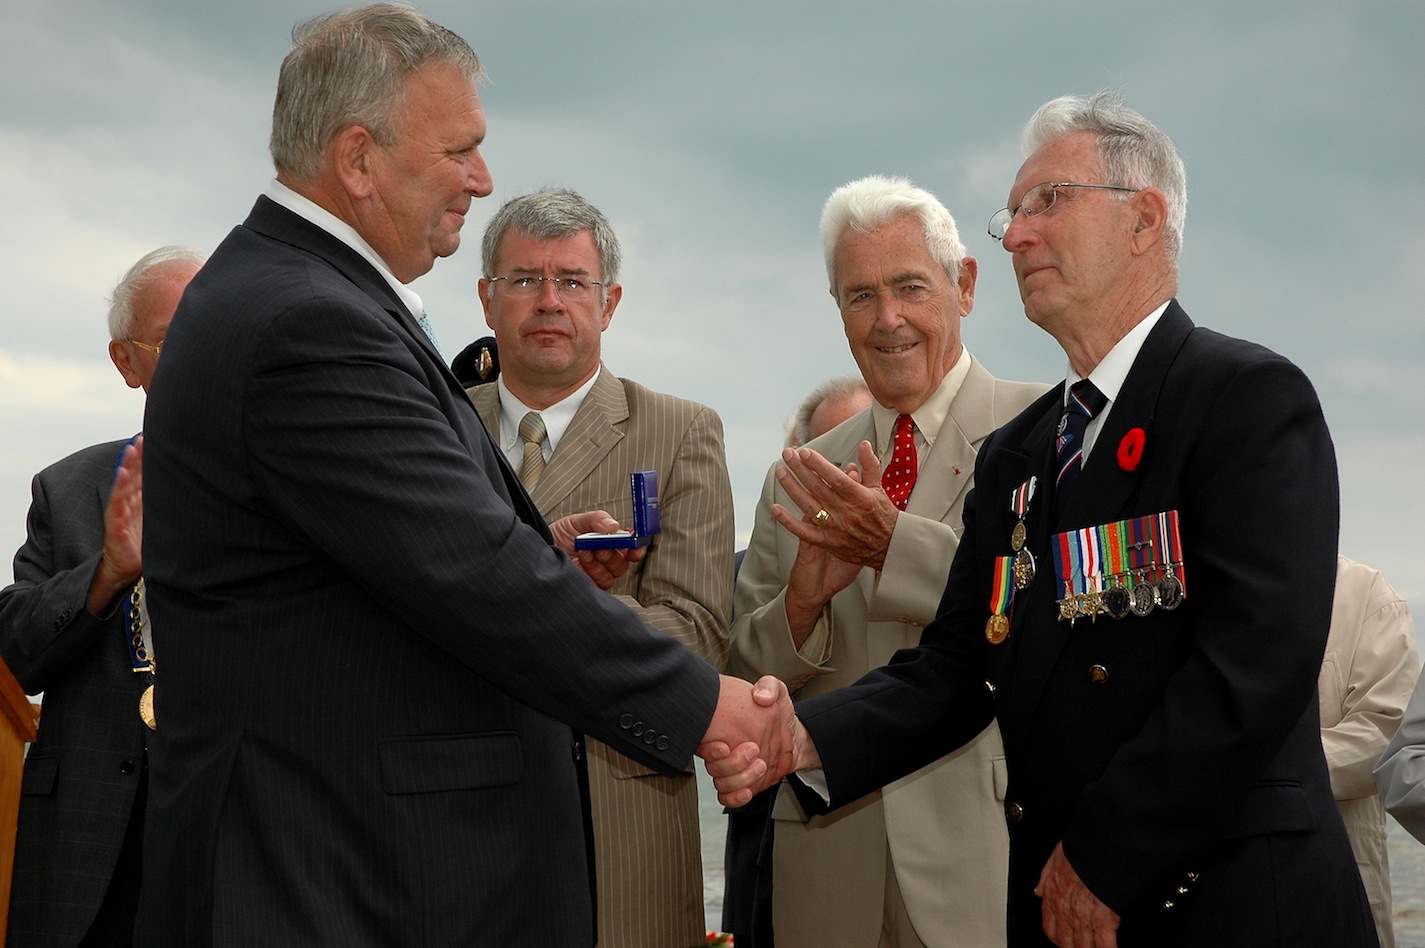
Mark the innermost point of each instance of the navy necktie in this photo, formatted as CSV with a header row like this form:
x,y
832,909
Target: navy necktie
x,y
1085,401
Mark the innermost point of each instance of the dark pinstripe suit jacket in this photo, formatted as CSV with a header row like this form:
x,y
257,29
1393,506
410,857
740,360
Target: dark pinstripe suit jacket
x,y
82,772
367,719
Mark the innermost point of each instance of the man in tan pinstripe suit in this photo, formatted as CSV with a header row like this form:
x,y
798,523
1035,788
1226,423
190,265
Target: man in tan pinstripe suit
x,y
549,290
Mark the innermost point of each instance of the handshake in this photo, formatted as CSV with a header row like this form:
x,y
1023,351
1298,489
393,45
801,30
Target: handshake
x,y
754,739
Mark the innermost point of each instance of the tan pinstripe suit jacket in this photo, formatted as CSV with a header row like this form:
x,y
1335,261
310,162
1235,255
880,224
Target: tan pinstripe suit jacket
x,y
944,824
646,838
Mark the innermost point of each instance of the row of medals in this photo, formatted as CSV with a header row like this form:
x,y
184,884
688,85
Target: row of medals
x,y
1129,592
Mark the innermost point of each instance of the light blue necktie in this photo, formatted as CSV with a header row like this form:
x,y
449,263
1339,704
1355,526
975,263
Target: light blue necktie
x,y
428,330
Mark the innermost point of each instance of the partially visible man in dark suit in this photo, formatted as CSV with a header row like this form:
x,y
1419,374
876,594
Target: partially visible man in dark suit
x,y
367,701
1152,659
575,432
66,629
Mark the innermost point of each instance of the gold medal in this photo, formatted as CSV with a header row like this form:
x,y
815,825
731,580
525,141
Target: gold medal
x,y
997,629
146,709
1017,536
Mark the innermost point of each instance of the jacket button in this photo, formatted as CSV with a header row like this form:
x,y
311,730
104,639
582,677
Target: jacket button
x,y
1013,812
1168,905
1098,674
127,767
662,743
638,729
649,736
626,721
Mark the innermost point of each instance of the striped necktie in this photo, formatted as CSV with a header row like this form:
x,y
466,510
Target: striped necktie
x,y
1085,401
532,434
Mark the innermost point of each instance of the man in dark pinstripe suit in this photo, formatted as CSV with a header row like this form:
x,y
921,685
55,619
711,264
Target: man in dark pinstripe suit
x,y
65,631
370,714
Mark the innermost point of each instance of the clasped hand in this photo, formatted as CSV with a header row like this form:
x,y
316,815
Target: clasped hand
x,y
754,739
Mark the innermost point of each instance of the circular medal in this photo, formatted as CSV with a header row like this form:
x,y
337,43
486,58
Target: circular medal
x,y
1142,599
146,708
997,629
1017,536
1117,601
1170,592
1023,568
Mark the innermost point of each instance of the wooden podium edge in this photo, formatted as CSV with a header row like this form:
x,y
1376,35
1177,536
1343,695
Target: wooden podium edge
x,y
20,725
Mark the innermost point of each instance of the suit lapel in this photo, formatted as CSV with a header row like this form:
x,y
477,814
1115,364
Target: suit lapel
x,y
938,489
600,423
1104,487
1029,652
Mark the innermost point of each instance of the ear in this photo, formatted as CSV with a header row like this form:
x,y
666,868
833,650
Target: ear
x,y
613,294
122,356
1150,216
352,154
969,271
483,288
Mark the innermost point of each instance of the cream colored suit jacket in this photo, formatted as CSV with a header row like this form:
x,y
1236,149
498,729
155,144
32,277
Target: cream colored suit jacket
x,y
943,825
647,848
1370,666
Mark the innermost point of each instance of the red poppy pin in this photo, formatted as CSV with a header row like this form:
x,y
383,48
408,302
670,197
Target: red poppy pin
x,y
1130,449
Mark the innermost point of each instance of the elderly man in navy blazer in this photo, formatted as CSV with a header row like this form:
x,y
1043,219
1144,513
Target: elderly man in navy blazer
x,y
66,629
1141,595
370,718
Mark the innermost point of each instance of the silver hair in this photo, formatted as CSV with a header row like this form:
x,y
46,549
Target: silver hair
x,y
149,269
832,390
552,214
869,202
1133,151
350,68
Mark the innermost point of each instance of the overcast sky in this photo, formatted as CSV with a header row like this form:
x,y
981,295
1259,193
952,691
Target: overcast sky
x,y
711,133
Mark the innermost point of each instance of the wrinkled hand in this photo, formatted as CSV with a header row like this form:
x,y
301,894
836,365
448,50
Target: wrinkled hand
x,y
1073,916
862,517
604,567
121,562
742,770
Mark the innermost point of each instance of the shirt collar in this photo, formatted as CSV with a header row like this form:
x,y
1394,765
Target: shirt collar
x,y
556,417
930,415
1108,376
313,213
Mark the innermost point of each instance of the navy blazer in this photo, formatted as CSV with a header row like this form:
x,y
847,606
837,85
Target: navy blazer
x,y
366,718
1176,755
82,773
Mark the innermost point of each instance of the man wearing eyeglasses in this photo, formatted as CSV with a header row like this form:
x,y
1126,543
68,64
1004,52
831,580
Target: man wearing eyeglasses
x,y
551,262
67,628
1154,674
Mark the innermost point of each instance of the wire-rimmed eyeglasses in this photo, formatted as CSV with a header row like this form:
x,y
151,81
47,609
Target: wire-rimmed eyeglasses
x,y
570,288
1039,199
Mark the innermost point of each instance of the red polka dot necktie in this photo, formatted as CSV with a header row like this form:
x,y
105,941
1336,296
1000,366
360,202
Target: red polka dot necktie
x,y
899,478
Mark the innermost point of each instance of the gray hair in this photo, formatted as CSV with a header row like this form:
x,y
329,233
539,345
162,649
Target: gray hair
x,y
552,214
149,269
1133,151
350,68
869,202
832,390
